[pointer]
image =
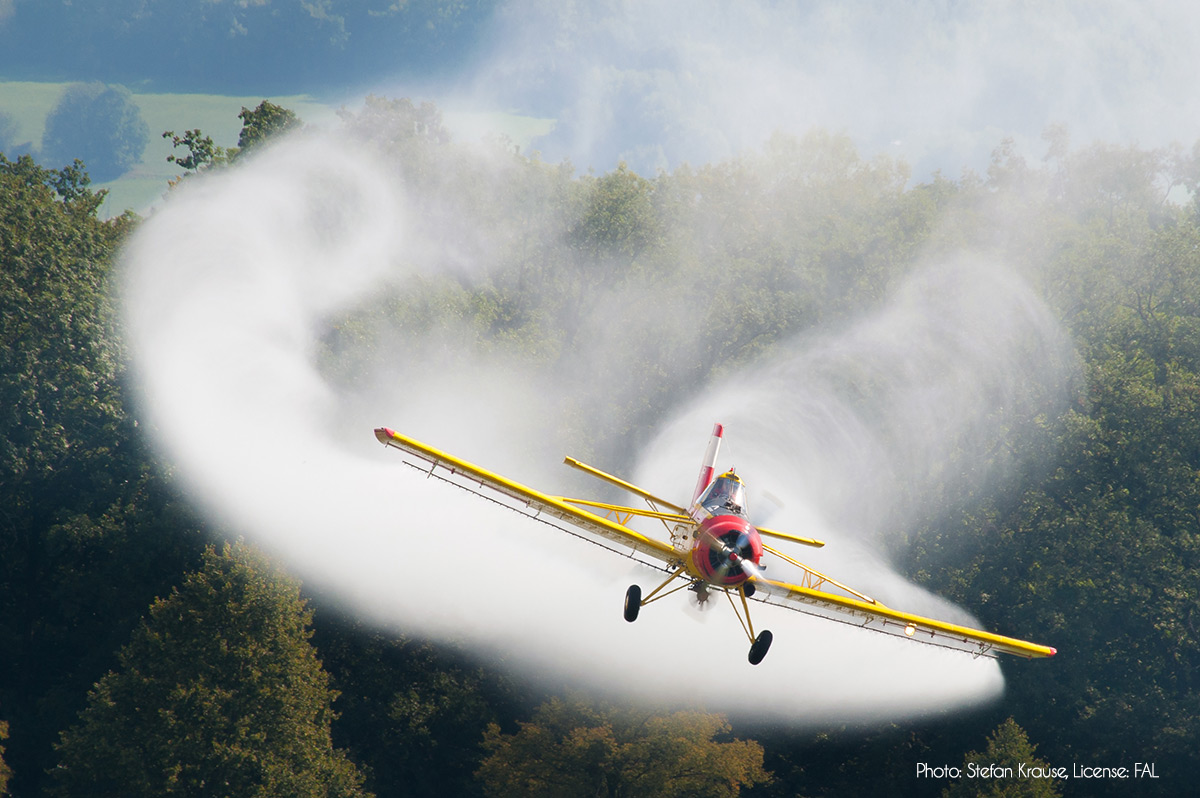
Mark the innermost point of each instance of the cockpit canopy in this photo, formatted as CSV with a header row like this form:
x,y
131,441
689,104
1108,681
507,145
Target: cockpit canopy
x,y
725,495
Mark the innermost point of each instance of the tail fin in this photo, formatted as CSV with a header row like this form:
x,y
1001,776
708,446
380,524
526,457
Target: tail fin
x,y
708,466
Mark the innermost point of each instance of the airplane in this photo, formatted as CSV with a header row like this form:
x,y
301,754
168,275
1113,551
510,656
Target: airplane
x,y
713,548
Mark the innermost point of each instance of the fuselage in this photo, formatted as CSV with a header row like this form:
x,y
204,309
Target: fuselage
x,y
724,539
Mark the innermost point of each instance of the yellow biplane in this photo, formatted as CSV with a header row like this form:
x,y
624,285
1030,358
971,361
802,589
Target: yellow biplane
x,y
713,548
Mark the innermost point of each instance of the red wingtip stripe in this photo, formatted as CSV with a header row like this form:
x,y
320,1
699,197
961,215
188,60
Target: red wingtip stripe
x,y
719,430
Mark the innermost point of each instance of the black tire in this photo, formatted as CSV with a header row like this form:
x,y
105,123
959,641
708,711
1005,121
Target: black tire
x,y
760,647
748,589
633,602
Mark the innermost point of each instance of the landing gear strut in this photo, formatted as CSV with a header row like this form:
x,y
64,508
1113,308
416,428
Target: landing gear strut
x,y
758,645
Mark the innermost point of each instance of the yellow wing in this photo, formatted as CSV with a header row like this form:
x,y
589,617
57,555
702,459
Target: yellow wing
x,y
860,610
553,510
813,597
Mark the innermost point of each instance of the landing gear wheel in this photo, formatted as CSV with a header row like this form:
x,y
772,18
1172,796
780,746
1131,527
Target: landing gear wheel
x,y
759,648
633,603
748,589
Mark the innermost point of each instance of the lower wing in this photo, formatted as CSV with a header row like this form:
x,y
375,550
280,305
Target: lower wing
x,y
866,613
553,510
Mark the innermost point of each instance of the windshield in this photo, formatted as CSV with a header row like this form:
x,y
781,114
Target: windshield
x,y
726,494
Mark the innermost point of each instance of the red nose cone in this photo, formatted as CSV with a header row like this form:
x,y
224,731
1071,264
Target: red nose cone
x,y
722,544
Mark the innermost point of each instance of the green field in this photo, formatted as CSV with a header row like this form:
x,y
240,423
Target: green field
x,y
28,104
217,115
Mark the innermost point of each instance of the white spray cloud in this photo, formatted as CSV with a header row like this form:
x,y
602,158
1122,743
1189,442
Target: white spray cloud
x,y
230,287
860,428
941,84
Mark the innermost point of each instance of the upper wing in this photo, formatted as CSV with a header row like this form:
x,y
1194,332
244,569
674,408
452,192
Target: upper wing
x,y
553,510
864,611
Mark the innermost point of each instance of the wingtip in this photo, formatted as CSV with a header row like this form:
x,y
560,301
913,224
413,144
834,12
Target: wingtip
x,y
383,434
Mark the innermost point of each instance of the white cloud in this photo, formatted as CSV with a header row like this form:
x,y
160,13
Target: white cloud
x,y
663,82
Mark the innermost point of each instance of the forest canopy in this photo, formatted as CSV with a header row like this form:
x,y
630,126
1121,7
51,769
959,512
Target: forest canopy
x,y
1094,542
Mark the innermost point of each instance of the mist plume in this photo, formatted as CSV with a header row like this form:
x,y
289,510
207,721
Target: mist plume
x,y
233,285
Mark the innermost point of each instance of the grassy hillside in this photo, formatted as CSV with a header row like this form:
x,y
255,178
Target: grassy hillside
x,y
217,115
30,103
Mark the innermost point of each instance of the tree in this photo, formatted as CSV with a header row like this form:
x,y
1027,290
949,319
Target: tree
x,y
75,574
98,124
265,122
573,749
414,712
5,772
218,693
258,126
1010,753
203,152
618,220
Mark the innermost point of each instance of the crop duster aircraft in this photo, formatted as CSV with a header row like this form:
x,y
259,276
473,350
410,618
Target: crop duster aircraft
x,y
713,548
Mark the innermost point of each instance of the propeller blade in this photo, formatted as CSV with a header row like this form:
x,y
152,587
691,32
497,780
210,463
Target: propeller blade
x,y
733,556
700,599
750,569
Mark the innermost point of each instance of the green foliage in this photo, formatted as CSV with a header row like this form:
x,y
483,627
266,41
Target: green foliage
x,y
90,532
203,152
87,533
258,126
218,693
98,124
1095,548
409,140
1089,545
414,711
263,123
571,748
61,411
384,121
1092,545
618,219
5,771
1009,754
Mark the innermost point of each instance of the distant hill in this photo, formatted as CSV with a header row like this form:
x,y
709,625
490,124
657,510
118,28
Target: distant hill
x,y
27,104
